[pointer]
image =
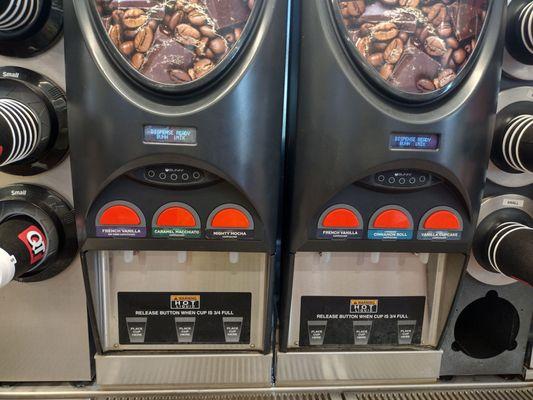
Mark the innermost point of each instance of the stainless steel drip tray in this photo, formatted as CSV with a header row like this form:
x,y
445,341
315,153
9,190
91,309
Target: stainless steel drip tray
x,y
185,370
346,368
488,388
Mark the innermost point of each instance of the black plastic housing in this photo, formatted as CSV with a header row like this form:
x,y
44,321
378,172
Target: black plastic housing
x,y
238,117
340,136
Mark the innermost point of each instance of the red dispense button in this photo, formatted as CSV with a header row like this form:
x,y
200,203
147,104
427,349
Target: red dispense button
x,y
120,215
442,220
176,217
392,219
341,218
231,218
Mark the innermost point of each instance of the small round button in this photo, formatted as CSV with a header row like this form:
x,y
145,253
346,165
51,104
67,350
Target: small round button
x,y
392,180
174,177
381,178
422,179
162,176
196,175
151,173
185,177
402,181
412,181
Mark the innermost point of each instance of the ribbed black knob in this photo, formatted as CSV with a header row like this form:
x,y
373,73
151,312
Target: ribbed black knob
x,y
520,31
512,148
17,14
504,244
23,247
20,133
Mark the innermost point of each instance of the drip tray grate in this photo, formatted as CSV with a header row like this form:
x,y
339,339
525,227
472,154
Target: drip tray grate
x,y
475,394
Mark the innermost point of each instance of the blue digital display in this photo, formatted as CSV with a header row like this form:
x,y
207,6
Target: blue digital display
x,y
407,141
157,134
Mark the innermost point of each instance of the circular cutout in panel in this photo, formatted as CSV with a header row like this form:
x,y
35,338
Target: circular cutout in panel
x,y
175,45
487,327
414,50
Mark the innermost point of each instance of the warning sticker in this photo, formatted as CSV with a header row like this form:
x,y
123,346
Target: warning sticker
x,y
356,321
184,318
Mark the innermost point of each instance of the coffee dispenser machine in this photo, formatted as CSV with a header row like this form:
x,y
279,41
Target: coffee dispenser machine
x,y
44,333
176,135
387,161
489,329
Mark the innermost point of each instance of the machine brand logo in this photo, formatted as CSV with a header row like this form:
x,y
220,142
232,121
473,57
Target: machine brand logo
x,y
364,306
185,302
35,242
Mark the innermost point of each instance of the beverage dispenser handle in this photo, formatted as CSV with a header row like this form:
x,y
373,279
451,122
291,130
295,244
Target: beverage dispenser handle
x,y
506,247
520,31
23,247
513,145
511,251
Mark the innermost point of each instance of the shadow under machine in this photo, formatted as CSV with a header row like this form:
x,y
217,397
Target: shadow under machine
x,y
176,123
387,161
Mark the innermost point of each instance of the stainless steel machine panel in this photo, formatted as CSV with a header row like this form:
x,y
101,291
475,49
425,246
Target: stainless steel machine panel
x,y
177,272
433,277
44,334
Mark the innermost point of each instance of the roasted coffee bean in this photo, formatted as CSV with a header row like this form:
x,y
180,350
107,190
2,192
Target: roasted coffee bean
x,y
137,60
394,51
117,16
153,24
202,67
459,56
444,78
452,43
363,45
251,4
134,18
115,34
238,33
218,46
409,3
435,46
379,46
375,59
143,40
404,36
208,31
197,18
179,75
425,85
129,34
175,20
385,31
127,48
390,2
386,71
352,8
444,30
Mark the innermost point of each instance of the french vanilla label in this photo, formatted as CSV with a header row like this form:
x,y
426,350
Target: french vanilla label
x,y
121,231
340,234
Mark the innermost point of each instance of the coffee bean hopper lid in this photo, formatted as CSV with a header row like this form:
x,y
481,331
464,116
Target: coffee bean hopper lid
x,y
174,43
415,47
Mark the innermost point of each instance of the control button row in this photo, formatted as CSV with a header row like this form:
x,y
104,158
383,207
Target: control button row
x,y
124,219
402,179
390,223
